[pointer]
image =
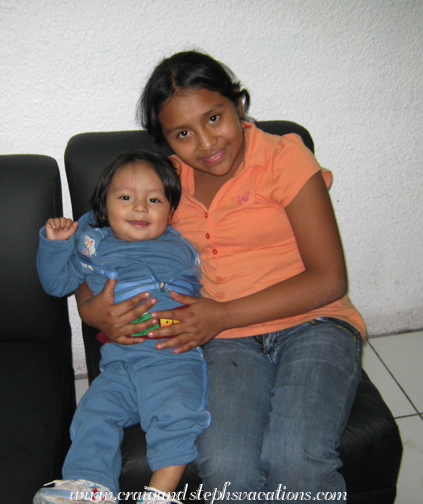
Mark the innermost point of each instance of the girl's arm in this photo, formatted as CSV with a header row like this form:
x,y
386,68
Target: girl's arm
x,y
114,320
323,281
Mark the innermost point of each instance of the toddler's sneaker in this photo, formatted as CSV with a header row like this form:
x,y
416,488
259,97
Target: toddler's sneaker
x,y
75,492
154,496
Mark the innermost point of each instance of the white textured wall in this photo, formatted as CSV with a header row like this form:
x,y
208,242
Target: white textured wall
x,y
349,70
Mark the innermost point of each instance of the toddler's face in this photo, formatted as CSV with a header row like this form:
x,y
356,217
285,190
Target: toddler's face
x,y
137,206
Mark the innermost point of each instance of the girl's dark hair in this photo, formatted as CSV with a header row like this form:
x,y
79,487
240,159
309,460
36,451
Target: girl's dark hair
x,y
163,167
189,69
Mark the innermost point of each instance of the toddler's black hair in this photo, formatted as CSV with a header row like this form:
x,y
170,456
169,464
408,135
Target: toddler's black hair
x,y
163,167
189,69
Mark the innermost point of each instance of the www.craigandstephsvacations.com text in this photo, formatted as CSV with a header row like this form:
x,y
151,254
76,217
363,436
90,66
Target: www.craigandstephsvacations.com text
x,y
280,494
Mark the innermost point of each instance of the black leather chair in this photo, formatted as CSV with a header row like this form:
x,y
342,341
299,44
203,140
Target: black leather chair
x,y
370,448
37,388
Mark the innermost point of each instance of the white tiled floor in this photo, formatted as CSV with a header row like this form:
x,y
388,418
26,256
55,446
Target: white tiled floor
x,y
394,364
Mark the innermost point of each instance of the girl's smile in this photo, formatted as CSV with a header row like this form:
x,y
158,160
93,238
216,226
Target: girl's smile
x,y
216,158
204,129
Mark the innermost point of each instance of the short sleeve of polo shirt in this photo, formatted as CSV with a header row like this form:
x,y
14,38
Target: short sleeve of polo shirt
x,y
291,164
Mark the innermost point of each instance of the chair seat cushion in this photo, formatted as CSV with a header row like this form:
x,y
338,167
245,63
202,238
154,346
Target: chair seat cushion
x,y
371,445
41,402
370,451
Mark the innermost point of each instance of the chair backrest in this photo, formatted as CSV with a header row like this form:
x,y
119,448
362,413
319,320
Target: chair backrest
x,y
88,153
30,193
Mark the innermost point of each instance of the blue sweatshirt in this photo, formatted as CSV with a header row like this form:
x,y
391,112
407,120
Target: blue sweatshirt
x,y
92,255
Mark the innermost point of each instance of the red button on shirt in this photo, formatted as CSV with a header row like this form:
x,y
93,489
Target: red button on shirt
x,y
206,215
207,236
214,251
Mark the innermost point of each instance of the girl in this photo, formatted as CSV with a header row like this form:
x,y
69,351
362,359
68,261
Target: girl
x,y
281,338
127,236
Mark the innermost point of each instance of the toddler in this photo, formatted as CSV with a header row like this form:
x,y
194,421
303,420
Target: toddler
x,y
127,236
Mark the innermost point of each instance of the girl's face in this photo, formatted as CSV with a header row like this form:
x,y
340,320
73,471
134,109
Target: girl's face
x,y
203,128
137,207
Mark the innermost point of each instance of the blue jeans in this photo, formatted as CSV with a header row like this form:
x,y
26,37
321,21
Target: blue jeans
x,y
279,403
165,392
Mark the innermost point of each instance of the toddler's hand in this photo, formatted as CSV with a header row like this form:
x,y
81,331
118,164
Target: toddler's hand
x,y
60,228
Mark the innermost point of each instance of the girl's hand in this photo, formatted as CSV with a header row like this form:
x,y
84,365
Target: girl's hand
x,y
60,228
201,321
114,320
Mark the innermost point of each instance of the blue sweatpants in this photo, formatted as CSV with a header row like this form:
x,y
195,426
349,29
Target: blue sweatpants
x,y
165,392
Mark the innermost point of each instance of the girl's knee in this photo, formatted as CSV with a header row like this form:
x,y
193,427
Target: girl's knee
x,y
298,460
230,470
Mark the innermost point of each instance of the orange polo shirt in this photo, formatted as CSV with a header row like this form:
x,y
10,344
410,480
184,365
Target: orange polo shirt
x,y
245,240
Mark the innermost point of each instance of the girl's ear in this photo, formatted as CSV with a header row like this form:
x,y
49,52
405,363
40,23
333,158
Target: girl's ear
x,y
240,108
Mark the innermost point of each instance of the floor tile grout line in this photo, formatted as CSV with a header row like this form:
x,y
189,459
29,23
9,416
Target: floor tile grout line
x,y
394,333
393,377
399,417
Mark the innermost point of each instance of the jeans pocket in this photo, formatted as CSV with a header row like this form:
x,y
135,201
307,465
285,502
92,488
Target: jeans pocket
x,y
341,324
